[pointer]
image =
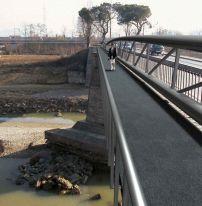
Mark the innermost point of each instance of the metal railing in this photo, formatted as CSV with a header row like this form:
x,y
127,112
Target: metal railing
x,y
182,79
123,171
186,79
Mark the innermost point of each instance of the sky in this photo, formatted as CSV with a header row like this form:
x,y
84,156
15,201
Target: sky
x,y
182,15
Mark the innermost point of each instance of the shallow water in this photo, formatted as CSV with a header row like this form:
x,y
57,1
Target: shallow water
x,y
44,117
54,120
12,195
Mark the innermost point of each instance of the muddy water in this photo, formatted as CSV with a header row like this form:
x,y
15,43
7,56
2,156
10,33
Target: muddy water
x,y
12,195
72,116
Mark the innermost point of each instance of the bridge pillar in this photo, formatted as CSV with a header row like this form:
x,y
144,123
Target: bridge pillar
x,y
86,138
95,103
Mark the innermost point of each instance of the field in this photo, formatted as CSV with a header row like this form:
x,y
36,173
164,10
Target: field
x,y
27,59
42,83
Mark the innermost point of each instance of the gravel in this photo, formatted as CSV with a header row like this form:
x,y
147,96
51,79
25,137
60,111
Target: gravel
x,y
18,136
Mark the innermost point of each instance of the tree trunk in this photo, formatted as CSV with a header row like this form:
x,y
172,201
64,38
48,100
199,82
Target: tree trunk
x,y
103,38
139,31
88,41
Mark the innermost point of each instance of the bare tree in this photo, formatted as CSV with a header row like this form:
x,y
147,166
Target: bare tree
x,y
85,24
101,18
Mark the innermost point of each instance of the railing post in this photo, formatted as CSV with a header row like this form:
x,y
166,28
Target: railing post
x,y
174,76
119,49
134,55
123,49
112,154
116,173
147,61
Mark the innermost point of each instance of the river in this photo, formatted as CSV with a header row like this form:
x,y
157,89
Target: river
x,y
13,195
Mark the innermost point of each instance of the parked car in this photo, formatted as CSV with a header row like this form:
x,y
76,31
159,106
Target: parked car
x,y
156,49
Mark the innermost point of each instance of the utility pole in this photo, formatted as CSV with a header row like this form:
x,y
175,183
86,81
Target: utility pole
x,y
44,17
110,30
44,13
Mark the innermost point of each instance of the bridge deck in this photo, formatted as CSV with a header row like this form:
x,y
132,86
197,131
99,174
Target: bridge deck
x,y
164,148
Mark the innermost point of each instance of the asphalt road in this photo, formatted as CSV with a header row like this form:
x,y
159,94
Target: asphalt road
x,y
187,61
193,62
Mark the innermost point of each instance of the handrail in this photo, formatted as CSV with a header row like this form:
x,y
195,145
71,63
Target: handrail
x,y
183,42
135,190
184,103
176,80
170,63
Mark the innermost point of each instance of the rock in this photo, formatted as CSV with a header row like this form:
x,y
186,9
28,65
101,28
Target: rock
x,y
58,114
66,184
32,182
58,171
34,170
20,180
34,160
84,179
63,192
40,155
38,184
75,190
43,182
95,197
41,160
22,168
75,178
48,185
27,177
48,176
59,159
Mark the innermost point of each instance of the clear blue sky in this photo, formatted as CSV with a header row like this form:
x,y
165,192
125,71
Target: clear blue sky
x,y
182,15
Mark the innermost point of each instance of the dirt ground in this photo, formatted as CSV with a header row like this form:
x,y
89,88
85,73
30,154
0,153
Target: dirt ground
x,y
15,137
27,59
44,91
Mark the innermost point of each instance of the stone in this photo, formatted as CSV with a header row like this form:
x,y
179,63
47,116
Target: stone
x,y
32,182
20,180
76,190
38,184
34,160
40,155
75,178
48,176
95,197
84,179
61,173
22,168
41,160
48,185
59,159
66,184
58,114
63,192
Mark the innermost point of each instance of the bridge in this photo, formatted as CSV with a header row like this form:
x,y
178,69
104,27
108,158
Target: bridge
x,y
154,151
150,109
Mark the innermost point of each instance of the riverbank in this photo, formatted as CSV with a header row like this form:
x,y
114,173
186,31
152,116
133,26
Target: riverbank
x,y
17,134
18,99
11,194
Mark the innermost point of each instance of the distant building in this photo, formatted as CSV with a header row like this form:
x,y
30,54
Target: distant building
x,y
2,49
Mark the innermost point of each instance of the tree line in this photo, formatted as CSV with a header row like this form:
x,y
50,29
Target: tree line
x,y
132,17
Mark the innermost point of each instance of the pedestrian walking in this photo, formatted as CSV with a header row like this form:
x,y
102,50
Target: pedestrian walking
x,y
112,56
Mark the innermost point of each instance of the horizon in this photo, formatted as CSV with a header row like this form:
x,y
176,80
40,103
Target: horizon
x,y
59,17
